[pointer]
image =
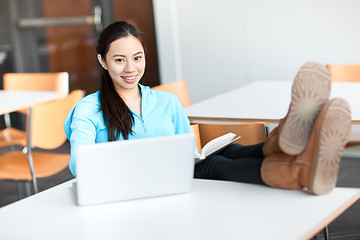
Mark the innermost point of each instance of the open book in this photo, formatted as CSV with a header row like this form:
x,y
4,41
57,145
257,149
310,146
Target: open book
x,y
215,145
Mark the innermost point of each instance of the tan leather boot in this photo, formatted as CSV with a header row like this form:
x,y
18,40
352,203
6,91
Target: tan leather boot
x,y
310,91
315,169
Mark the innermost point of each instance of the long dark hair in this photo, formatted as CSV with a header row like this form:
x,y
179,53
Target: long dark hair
x,y
117,116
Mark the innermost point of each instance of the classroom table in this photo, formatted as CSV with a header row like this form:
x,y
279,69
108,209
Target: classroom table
x,y
11,101
213,210
269,101
264,101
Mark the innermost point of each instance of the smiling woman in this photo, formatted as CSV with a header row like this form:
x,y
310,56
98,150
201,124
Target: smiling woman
x,y
121,52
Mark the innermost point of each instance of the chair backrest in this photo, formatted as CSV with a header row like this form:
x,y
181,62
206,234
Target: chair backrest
x,y
57,81
179,88
195,130
47,121
251,133
344,73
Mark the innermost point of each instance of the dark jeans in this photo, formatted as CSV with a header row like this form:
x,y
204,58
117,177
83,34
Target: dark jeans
x,y
235,163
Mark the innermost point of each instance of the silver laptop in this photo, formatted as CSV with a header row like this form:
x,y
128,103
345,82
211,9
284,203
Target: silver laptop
x,y
133,169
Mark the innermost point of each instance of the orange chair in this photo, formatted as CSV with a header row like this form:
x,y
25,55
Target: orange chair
x,y
179,88
251,133
344,72
58,81
44,131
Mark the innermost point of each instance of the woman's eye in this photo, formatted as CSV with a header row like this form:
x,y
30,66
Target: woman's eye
x,y
120,60
137,58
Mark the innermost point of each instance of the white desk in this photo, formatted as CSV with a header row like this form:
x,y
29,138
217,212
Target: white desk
x,y
213,210
264,101
11,101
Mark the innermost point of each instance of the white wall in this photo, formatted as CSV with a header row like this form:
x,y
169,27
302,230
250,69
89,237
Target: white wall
x,y
223,44
167,37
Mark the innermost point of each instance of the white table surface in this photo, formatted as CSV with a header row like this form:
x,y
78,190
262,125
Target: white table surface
x,y
212,210
265,100
11,101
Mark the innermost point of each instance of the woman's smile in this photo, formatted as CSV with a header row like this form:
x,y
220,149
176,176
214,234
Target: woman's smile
x,y
129,79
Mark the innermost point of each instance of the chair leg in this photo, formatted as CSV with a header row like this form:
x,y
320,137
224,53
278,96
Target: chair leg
x,y
23,189
18,190
326,232
28,191
32,170
7,120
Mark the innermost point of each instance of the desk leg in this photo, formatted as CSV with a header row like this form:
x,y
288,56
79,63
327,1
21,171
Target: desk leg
x,y
29,152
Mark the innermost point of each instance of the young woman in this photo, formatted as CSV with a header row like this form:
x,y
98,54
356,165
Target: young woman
x,y
292,157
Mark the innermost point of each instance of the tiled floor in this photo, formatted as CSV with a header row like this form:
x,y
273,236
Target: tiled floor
x,y
345,227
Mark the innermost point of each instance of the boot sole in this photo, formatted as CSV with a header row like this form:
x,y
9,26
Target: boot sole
x,y
310,91
333,136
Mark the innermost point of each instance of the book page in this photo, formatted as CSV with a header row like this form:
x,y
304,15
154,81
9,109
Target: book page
x,y
216,144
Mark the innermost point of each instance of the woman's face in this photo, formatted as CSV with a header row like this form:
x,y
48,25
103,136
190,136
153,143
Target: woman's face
x,y
125,62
